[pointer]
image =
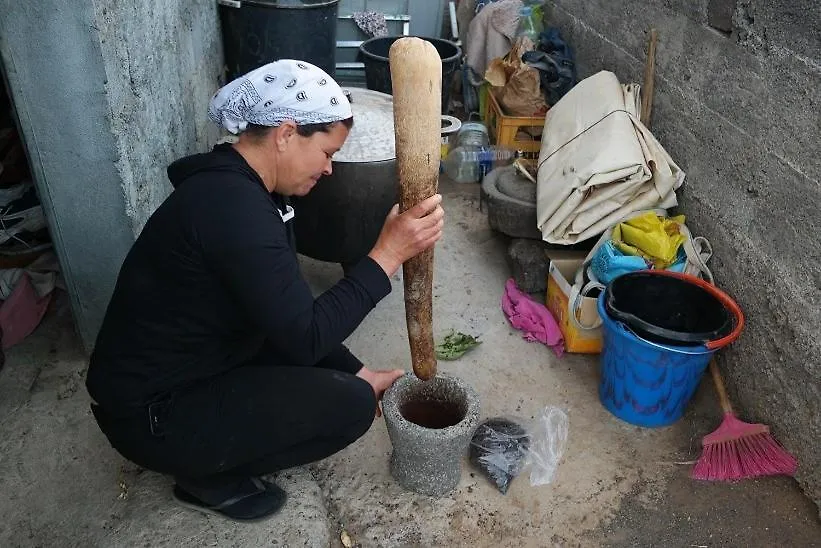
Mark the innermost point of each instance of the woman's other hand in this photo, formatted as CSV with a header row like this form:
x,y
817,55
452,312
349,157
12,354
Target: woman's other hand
x,y
406,235
379,381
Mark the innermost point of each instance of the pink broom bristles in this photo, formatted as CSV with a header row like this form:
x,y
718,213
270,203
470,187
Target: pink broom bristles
x,y
738,450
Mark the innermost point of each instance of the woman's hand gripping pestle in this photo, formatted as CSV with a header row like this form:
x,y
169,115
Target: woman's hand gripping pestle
x,y
405,235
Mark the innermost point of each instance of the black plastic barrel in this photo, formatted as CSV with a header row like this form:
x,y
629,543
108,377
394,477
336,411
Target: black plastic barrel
x,y
256,32
378,71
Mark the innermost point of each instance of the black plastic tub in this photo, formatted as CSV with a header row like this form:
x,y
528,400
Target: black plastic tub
x,y
668,309
378,71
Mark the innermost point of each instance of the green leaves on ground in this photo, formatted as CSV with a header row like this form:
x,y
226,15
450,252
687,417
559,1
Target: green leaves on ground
x,y
454,345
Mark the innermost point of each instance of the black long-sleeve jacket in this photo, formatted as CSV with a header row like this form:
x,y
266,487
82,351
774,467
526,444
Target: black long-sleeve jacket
x,y
213,275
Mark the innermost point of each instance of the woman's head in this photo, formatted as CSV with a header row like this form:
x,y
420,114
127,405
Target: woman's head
x,y
291,118
299,154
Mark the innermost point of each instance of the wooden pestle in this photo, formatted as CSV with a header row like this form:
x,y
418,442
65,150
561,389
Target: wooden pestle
x,y
416,75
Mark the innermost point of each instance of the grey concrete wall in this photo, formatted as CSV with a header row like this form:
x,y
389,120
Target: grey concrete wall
x,y
56,78
163,61
107,93
740,111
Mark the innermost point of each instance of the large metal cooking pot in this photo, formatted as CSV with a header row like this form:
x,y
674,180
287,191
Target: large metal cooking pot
x,y
340,219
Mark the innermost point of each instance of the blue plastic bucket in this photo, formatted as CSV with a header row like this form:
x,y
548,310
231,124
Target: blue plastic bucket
x,y
646,383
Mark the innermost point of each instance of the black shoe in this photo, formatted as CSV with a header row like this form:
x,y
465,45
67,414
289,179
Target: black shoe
x,y
252,500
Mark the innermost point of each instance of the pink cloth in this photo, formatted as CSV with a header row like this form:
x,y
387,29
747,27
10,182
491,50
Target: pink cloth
x,y
533,318
21,313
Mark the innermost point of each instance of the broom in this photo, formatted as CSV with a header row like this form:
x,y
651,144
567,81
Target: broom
x,y
739,450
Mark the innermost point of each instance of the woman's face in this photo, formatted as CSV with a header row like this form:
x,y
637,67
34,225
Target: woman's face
x,y
305,159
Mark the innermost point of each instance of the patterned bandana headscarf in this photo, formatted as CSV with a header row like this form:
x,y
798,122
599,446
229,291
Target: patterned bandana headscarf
x,y
279,91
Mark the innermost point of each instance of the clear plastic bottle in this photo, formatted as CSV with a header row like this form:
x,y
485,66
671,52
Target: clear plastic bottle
x,y
473,133
469,163
527,24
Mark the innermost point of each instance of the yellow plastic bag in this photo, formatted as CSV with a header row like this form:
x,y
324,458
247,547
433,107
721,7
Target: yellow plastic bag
x,y
655,238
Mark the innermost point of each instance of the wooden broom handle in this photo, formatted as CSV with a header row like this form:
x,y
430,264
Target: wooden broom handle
x,y
719,383
649,79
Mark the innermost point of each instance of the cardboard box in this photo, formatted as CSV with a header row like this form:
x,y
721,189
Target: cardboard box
x,y
560,276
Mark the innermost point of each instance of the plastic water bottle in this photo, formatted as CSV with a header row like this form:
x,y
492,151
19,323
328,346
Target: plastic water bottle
x,y
469,163
527,26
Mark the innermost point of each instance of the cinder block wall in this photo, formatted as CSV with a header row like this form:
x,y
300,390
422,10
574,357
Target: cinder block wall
x,y
738,105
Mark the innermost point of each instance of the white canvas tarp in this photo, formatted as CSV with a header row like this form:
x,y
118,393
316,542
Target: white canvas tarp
x,y
599,163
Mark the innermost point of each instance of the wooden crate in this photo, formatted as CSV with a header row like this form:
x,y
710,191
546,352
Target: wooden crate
x,y
504,130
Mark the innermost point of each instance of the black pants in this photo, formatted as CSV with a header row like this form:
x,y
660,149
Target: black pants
x,y
253,420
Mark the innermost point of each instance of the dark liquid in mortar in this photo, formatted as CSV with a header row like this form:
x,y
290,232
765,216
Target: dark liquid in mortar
x,y
432,414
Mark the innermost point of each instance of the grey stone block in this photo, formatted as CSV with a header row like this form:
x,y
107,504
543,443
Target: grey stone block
x,y
528,264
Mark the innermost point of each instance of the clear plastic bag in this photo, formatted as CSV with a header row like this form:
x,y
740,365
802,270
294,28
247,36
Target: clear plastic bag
x,y
547,444
502,447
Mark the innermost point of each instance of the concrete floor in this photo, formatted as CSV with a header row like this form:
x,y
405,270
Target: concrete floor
x,y
618,485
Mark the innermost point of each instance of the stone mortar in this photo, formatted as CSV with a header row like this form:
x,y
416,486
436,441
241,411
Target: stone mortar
x,y
426,460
